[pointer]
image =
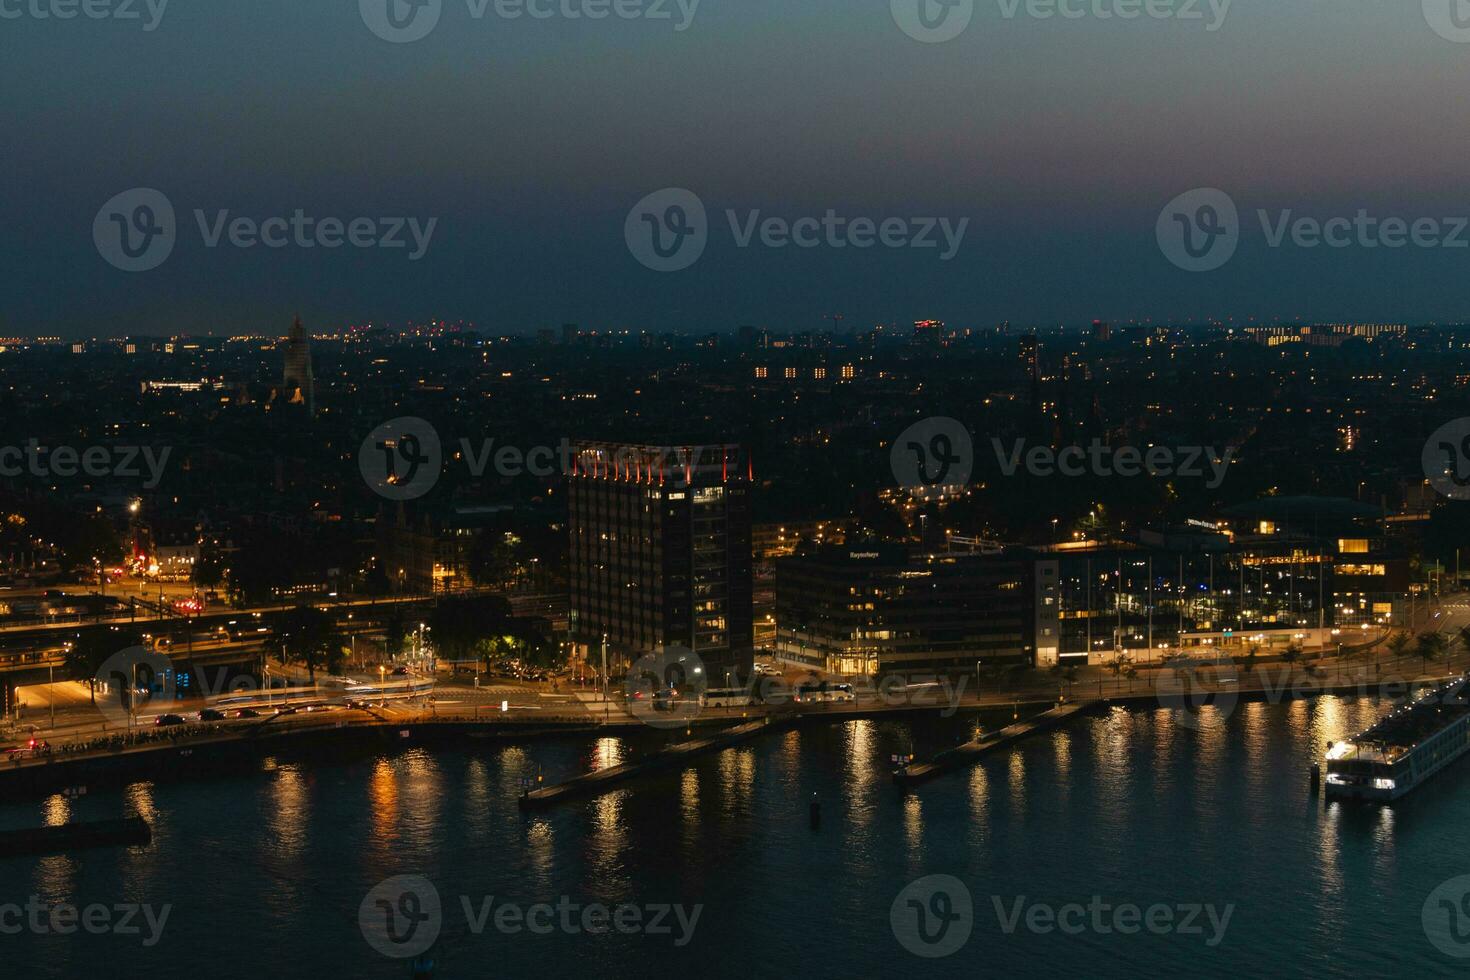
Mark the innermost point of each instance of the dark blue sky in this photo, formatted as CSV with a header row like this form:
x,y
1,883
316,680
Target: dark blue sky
x,y
530,140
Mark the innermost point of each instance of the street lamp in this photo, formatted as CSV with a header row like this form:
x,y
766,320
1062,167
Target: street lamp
x,y
383,684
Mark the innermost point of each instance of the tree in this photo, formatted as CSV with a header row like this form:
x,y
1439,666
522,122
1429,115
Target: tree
x,y
91,649
460,626
1292,653
308,636
1398,645
1464,638
1430,645
209,570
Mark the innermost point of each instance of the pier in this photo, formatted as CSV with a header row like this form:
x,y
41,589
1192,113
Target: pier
x,y
968,754
605,780
75,836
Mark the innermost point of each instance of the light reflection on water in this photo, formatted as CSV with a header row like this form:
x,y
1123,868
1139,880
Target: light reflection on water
x,y
1132,804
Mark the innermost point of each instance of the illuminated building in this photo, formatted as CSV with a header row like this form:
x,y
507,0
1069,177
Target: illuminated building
x,y
864,609
661,553
298,382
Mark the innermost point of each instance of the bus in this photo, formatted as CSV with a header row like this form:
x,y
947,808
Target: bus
x,y
824,693
727,697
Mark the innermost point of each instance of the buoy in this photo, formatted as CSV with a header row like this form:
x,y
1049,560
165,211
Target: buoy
x,y
816,812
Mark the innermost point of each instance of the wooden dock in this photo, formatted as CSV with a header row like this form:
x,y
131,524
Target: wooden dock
x,y
69,837
968,754
606,780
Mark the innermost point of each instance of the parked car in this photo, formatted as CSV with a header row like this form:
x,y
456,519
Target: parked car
x,y
168,721
211,714
247,713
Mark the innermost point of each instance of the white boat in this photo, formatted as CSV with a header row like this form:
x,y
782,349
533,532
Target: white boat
x,y
1403,750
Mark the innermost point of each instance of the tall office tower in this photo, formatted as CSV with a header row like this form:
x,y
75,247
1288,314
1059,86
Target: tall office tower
x,y
298,381
660,553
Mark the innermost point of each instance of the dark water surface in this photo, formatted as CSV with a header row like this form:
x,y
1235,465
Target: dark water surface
x,y
265,871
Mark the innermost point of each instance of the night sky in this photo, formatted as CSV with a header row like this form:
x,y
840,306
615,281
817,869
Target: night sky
x,y
530,140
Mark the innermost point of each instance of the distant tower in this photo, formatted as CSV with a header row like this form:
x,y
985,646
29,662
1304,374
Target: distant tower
x,y
299,384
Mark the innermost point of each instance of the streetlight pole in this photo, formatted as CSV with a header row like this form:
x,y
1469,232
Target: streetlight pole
x,y
604,679
51,693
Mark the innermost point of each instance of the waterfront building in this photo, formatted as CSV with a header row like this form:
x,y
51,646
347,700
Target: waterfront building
x,y
661,552
881,609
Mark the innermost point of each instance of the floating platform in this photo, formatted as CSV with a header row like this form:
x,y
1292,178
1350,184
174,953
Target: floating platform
x,y
75,837
968,754
605,780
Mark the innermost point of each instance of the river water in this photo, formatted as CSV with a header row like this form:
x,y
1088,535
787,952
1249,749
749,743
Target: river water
x,y
265,872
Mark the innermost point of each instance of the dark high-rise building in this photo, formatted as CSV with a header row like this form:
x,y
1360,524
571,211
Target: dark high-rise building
x,y
865,609
660,552
298,382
